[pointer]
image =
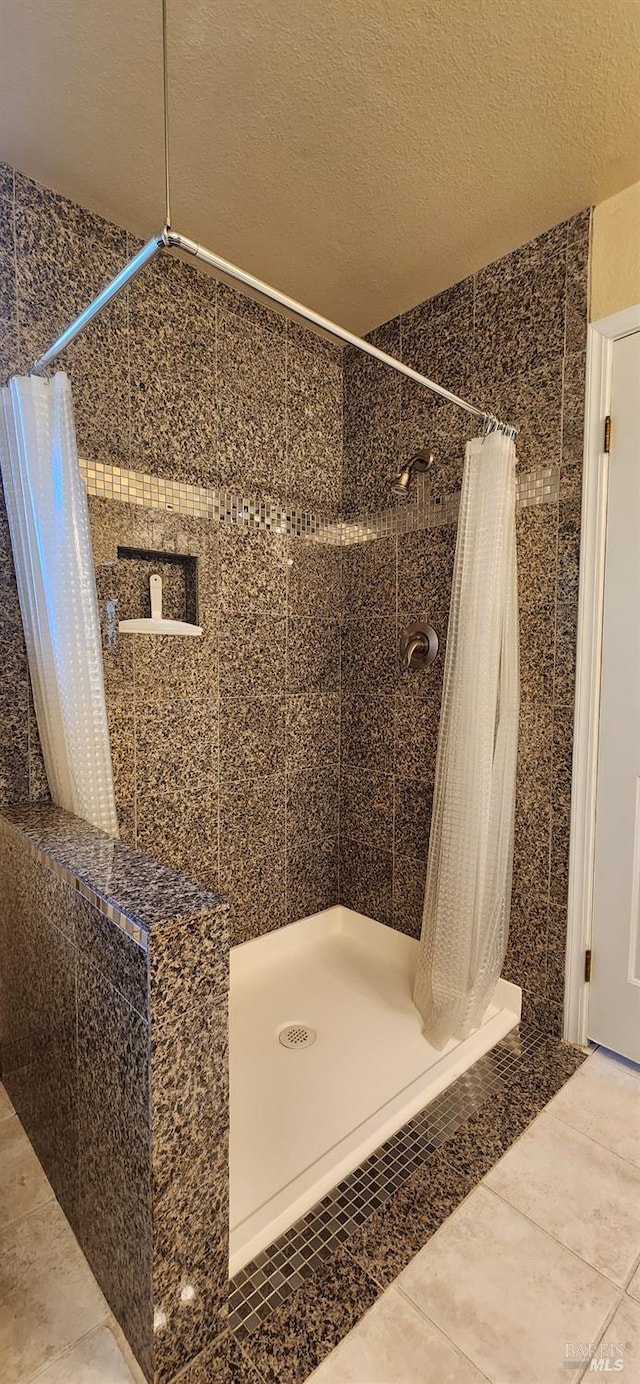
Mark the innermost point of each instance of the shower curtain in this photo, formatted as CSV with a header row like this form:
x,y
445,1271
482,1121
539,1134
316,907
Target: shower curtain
x,y
468,886
50,536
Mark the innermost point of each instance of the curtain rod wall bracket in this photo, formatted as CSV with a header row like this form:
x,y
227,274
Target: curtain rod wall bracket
x,y
171,240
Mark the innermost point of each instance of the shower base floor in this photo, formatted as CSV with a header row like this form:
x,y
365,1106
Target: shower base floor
x,y
302,1117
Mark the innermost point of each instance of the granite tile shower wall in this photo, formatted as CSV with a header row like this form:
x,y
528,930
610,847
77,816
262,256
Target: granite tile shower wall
x,y
225,749
225,752
511,338
294,716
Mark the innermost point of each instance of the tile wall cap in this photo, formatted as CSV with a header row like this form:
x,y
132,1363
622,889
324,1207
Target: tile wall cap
x,y
131,888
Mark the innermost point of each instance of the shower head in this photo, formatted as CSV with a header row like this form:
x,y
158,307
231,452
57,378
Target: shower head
x,y
401,483
422,461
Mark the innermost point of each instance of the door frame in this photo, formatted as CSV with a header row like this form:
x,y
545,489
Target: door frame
x,y
600,340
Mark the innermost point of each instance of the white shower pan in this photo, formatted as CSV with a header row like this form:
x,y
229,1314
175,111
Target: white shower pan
x,y
336,989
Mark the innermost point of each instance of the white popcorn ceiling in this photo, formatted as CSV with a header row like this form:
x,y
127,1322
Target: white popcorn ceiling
x,y
359,154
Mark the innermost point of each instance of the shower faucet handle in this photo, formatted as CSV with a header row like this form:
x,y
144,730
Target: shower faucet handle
x,y
418,645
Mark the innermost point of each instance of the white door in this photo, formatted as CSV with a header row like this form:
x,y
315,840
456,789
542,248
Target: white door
x,y
614,993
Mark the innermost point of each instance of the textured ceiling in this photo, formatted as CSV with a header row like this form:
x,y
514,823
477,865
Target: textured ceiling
x,y
360,154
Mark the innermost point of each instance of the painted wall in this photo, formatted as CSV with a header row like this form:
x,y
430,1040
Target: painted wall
x,y
615,260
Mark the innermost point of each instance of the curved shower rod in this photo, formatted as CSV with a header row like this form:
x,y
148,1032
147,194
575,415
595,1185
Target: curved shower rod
x,y
170,240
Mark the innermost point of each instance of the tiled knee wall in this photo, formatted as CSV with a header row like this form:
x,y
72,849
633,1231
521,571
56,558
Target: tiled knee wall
x,y
113,997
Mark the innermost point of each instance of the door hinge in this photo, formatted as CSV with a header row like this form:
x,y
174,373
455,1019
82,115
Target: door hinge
x,y
587,964
607,434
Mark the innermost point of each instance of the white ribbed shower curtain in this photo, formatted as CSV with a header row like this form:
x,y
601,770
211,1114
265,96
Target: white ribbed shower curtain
x,y
468,886
51,540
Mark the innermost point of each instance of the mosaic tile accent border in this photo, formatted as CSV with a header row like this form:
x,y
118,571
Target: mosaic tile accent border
x,y
114,914
265,1283
249,512
539,487
200,502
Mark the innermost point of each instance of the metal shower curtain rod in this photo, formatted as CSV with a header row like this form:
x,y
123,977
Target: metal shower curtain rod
x,y
170,240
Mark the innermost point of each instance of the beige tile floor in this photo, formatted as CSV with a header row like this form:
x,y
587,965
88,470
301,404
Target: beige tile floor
x,y
55,1325
540,1263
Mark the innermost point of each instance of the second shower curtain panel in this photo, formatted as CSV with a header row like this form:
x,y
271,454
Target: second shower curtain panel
x,y
468,887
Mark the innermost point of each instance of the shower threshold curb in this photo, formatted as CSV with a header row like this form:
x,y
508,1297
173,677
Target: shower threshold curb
x,y
266,1283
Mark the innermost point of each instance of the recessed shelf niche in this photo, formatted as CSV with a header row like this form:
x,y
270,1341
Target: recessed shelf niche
x,y
179,584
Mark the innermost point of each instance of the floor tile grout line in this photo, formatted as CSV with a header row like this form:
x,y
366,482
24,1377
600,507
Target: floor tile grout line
x,y
71,1345
585,1134
421,1312
600,1334
247,1357
634,1270
550,1235
591,1137
424,1316
30,1215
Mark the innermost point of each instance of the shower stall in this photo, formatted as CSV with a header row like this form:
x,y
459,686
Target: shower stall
x,y
327,1061
299,501
453,972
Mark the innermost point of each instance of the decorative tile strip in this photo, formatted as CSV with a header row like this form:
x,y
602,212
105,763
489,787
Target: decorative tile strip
x,y
137,934
532,488
221,506
225,507
115,915
264,1284
538,487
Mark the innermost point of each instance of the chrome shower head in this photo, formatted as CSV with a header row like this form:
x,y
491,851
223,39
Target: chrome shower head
x,y
422,461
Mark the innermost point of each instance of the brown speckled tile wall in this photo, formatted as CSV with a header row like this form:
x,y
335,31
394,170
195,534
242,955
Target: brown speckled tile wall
x,y
298,669
190,1090
172,372
38,969
205,734
187,379
314,421
513,339
371,423
113,1135
252,851
53,289
189,1074
14,693
115,1055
